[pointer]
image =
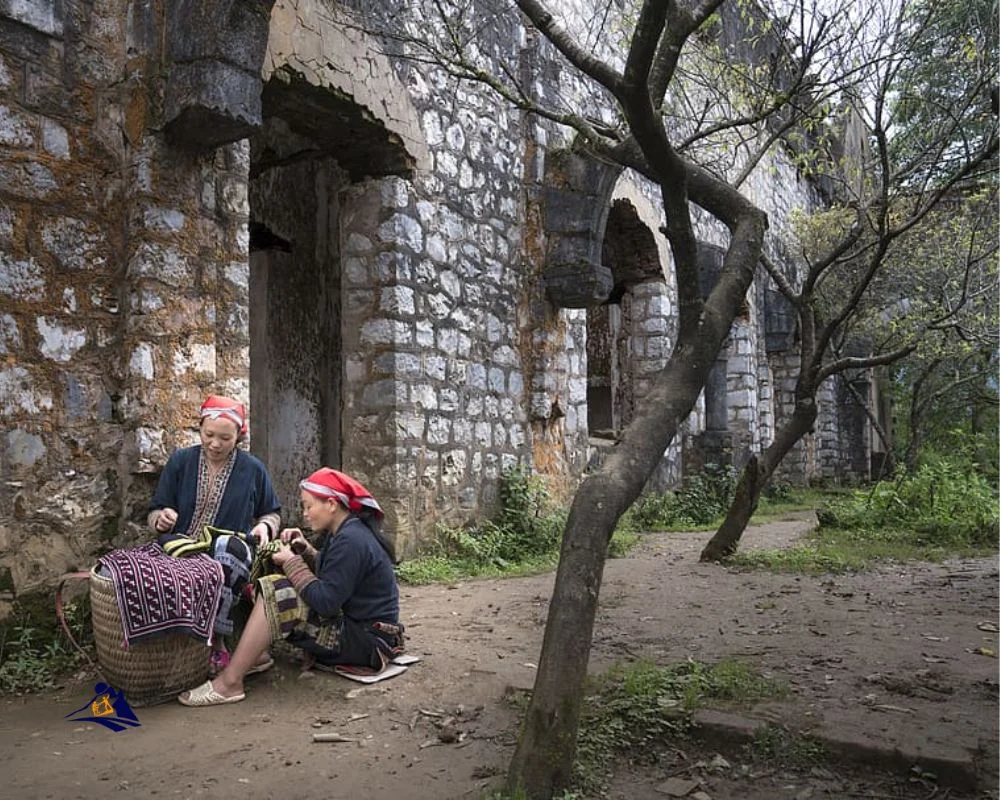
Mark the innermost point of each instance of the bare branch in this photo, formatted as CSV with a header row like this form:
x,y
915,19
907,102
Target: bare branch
x,y
645,37
780,280
582,59
850,362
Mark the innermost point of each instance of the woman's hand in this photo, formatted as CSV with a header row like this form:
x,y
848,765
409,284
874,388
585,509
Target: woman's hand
x,y
282,554
262,533
288,535
166,520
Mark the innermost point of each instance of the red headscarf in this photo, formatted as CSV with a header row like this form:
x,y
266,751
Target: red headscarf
x,y
326,482
219,407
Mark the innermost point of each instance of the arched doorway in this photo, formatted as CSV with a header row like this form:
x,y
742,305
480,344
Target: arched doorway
x,y
333,116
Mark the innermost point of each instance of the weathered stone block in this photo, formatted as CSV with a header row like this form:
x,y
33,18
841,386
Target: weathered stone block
x,y
16,130
210,103
22,280
57,341
45,16
577,284
162,263
27,179
18,393
438,430
73,244
23,449
397,300
10,336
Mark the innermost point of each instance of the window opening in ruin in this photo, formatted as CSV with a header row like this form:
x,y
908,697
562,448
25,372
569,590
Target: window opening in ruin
x,y
630,251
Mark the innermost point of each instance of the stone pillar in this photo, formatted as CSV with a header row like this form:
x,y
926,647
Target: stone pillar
x,y
741,384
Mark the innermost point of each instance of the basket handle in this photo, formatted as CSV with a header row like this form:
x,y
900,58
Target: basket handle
x,y
61,615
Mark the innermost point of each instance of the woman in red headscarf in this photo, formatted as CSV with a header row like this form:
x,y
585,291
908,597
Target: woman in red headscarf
x,y
338,602
217,484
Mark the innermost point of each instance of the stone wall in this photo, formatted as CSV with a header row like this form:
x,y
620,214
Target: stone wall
x,y
61,267
392,268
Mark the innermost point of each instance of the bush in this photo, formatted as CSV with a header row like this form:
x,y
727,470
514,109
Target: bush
x,y
525,527
704,499
525,537
32,658
943,504
708,494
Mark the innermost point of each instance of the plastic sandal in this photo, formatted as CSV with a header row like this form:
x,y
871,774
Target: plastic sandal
x,y
205,695
264,667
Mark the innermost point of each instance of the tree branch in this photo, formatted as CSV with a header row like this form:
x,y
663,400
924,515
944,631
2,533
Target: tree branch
x,y
585,61
850,362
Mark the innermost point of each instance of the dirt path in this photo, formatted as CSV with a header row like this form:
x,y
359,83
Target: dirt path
x,y
886,655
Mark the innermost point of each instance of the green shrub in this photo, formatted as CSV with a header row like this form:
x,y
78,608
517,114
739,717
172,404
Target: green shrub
x,y
525,537
943,504
704,499
707,494
31,658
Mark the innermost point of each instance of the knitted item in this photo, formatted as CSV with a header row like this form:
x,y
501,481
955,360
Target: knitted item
x,y
298,573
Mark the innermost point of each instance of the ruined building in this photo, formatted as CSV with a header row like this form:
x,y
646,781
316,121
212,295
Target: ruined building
x,y
405,277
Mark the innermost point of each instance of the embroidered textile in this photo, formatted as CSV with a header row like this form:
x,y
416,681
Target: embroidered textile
x,y
209,495
158,594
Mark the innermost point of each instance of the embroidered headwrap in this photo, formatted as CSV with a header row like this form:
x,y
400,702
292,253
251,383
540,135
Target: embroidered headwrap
x,y
326,482
219,407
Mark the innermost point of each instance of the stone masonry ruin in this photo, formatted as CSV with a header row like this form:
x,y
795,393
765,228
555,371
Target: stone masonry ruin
x,y
403,276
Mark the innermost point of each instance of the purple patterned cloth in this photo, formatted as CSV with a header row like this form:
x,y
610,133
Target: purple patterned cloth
x,y
159,594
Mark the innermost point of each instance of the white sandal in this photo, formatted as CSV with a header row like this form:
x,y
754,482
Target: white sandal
x,y
205,695
264,666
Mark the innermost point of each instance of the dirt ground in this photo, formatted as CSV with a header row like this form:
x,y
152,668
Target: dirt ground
x,y
888,654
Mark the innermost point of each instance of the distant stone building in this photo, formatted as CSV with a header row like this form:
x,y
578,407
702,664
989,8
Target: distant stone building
x,y
404,278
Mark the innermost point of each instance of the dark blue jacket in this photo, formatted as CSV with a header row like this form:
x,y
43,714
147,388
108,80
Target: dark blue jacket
x,y
248,496
355,574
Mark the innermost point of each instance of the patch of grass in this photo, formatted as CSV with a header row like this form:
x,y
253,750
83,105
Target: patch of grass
x,y
32,657
831,550
444,569
520,794
631,707
774,744
945,503
622,543
787,499
524,539
703,503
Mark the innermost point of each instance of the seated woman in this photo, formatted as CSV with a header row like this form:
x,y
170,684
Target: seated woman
x,y
340,604
218,484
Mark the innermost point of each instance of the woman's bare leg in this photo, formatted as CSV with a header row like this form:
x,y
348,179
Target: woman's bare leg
x,y
254,642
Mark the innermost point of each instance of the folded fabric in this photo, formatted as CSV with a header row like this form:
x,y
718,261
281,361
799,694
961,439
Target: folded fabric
x,y
159,594
178,545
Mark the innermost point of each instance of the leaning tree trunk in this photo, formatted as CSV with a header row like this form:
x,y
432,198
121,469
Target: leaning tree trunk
x,y
754,479
543,763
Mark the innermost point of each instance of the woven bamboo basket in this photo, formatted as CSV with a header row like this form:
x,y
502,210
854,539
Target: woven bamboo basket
x,y
150,671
